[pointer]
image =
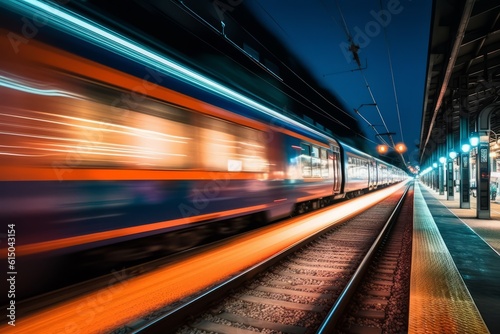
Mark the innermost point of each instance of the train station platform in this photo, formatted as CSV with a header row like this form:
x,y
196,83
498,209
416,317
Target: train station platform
x,y
455,277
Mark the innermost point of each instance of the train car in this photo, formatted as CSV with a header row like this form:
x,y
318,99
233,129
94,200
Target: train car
x,y
99,165
389,174
111,151
314,173
359,171
382,173
363,173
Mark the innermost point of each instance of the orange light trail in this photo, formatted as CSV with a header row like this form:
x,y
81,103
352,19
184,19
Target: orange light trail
x,y
51,245
125,300
23,173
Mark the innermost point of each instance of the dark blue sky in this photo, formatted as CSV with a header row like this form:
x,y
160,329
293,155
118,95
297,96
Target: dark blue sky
x,y
387,32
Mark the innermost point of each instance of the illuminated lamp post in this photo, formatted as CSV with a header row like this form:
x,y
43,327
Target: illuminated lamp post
x,y
466,148
442,161
465,176
450,172
474,139
481,139
434,176
474,142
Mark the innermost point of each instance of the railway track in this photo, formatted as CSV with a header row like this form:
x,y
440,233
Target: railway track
x,y
380,303
304,289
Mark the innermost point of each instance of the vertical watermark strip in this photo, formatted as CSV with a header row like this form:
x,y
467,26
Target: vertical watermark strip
x,y
11,274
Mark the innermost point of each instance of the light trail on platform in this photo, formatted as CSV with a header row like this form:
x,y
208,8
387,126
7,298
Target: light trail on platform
x,y
128,298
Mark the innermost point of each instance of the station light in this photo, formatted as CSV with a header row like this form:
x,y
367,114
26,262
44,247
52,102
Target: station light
x,y
425,171
474,139
465,148
452,155
434,165
442,160
382,149
401,148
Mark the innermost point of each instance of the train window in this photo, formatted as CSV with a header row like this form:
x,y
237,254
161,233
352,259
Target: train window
x,y
143,141
358,168
96,125
315,152
107,128
325,171
306,149
334,166
226,146
305,160
351,167
86,133
251,149
135,139
316,162
154,142
217,145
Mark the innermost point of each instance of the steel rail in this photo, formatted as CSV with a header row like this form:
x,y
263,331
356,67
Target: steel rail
x,y
172,318
329,324
175,317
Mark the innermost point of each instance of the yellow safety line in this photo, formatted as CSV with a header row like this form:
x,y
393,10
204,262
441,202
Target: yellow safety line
x,y
439,299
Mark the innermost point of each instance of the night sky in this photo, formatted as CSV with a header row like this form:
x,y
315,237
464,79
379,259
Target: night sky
x,y
388,32
309,41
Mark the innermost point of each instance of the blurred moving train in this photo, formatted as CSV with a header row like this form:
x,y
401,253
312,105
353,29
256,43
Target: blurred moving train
x,y
113,151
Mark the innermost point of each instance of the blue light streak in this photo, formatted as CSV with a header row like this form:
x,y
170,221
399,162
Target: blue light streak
x,y
96,34
13,84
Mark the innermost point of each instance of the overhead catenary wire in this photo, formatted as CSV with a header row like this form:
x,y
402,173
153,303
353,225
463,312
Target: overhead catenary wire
x,y
354,51
376,106
392,79
287,67
344,23
319,110
370,124
354,48
394,88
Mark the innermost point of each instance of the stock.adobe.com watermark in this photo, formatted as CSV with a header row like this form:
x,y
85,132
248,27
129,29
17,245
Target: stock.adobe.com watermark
x,y
11,272
362,36
29,27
